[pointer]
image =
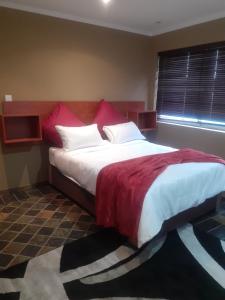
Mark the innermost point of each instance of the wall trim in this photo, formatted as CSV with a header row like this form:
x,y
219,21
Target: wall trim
x,y
198,21
70,17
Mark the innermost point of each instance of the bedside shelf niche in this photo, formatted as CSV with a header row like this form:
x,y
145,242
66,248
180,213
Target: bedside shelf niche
x,y
145,120
21,129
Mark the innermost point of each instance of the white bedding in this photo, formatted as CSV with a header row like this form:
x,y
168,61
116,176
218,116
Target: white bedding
x,y
178,188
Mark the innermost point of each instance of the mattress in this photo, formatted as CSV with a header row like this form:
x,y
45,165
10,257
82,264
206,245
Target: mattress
x,y
179,187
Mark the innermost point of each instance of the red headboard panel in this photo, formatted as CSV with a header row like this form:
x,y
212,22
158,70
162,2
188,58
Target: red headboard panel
x,y
84,109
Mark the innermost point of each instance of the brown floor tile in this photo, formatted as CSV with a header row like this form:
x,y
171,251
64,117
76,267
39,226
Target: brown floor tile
x,y
7,197
5,259
38,221
39,206
43,200
18,260
219,232
13,217
32,212
76,234
220,219
8,236
45,249
39,240
64,209
30,250
46,214
208,224
17,227
14,204
69,240
4,225
23,238
3,244
34,193
62,232
45,231
25,219
53,223
31,229
73,216
26,205
66,224
8,209
58,215
1,201
13,248
21,210
51,207
19,194
3,216
55,242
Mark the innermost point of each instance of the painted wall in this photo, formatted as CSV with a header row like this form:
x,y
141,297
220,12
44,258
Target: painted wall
x,y
178,136
45,58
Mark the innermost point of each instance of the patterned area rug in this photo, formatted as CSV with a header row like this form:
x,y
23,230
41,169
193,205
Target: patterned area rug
x,y
185,264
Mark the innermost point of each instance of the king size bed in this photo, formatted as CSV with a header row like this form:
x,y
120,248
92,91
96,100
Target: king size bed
x,y
179,193
181,186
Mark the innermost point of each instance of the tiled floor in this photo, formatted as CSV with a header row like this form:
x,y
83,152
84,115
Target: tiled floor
x,y
213,223
35,220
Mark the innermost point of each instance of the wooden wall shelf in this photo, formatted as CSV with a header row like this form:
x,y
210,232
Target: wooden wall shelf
x,y
21,129
145,120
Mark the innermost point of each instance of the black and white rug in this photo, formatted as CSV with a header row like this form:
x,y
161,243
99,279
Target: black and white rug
x,y
186,264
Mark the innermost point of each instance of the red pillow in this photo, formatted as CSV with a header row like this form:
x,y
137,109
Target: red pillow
x,y
107,115
61,115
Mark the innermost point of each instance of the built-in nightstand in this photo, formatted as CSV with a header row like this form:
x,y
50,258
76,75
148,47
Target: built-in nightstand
x,y
21,129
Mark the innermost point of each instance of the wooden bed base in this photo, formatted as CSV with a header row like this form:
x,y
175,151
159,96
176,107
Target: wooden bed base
x,y
71,189
87,201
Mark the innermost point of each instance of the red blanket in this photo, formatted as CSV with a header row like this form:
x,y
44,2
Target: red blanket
x,y
122,186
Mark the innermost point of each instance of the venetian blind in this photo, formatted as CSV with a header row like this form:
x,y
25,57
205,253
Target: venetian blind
x,y
191,84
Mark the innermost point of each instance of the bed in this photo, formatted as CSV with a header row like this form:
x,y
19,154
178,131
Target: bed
x,y
178,194
74,173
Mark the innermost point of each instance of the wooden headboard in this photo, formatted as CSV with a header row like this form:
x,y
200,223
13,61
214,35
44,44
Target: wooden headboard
x,y
84,109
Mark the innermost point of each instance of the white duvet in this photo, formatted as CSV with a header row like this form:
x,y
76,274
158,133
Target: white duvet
x,y
178,188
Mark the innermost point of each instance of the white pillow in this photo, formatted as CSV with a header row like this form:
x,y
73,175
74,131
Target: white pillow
x,y
79,137
121,133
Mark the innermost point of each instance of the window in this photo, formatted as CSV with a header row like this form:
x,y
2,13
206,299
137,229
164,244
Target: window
x,y
191,85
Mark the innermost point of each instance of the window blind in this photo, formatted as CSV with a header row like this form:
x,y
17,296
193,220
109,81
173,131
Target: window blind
x,y
191,84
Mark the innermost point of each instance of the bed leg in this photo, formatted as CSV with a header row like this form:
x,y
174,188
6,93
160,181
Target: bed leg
x,y
220,197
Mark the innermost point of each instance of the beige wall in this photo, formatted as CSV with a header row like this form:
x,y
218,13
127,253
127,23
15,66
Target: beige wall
x,y
47,58
177,136
44,58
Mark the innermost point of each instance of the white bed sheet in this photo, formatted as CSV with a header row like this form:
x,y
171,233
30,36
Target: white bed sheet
x,y
178,188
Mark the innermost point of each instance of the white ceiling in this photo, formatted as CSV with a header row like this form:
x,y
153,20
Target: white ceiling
x,y
149,17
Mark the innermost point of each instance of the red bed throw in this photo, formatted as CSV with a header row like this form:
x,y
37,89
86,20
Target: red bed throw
x,y
121,187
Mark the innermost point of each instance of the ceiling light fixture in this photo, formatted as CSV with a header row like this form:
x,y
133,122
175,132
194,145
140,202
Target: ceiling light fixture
x,y
106,1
